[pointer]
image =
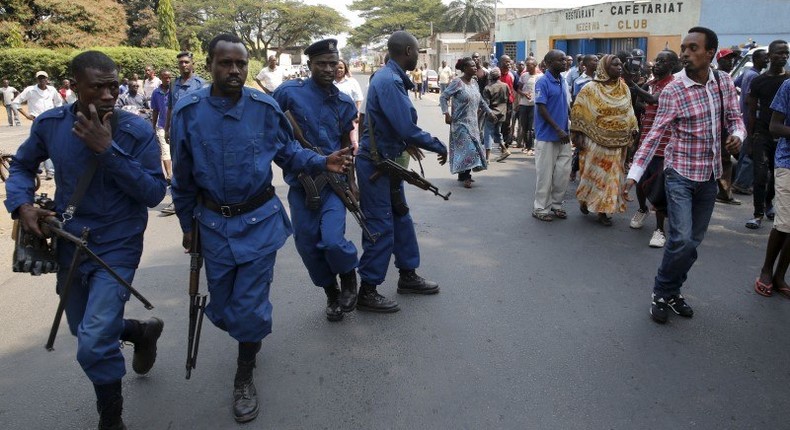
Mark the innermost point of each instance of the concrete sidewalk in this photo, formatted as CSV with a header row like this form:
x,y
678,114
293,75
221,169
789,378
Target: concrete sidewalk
x,y
12,137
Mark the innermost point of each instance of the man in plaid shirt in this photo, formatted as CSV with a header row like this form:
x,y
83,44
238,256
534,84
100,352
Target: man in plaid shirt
x,y
690,106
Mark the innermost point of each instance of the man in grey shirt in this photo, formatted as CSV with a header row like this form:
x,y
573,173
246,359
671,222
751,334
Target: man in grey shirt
x,y
9,93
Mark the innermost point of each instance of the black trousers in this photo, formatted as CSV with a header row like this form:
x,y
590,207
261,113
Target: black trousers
x,y
763,151
527,125
506,129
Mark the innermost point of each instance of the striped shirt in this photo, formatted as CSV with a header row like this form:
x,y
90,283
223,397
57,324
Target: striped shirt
x,y
691,111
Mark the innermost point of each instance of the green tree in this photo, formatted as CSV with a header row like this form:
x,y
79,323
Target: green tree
x,y
167,25
142,22
261,24
470,16
11,35
384,17
61,23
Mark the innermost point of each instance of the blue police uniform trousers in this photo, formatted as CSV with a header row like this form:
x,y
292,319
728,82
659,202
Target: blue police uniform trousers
x,y
320,236
397,232
94,312
239,296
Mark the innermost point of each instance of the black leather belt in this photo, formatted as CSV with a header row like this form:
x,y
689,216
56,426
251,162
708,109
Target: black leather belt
x,y
231,210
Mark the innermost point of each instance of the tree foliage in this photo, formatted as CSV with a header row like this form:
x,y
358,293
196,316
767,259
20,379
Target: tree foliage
x,y
66,23
470,16
167,25
142,22
384,17
261,24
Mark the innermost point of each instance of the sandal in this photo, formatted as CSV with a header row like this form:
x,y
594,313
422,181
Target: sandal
x,y
583,209
754,223
542,217
605,220
468,183
763,289
559,213
785,291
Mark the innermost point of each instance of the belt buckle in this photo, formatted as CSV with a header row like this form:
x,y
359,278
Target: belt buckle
x,y
225,211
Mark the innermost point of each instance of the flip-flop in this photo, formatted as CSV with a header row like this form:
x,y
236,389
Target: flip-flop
x,y
763,289
785,291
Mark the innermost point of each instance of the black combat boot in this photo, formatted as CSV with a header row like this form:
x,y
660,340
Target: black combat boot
x,y
333,311
245,397
412,283
109,403
143,334
348,291
371,301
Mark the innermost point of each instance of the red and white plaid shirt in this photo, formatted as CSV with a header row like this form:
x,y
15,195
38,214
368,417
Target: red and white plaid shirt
x,y
691,111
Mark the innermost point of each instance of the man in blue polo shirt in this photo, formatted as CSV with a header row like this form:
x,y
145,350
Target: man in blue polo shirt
x,y
552,149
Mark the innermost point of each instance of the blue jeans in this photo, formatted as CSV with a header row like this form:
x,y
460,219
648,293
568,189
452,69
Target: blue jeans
x,y
689,208
492,133
744,173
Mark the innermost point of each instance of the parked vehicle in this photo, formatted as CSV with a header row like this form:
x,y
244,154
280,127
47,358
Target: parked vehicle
x,y
433,81
746,62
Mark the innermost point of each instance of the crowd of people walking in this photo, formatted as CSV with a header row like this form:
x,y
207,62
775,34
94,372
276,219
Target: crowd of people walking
x,y
668,129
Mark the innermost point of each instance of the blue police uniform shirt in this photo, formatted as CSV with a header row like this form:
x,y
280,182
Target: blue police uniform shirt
x,y
550,92
224,151
128,178
179,87
324,115
393,116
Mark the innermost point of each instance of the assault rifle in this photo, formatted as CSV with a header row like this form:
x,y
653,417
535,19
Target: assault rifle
x,y
197,302
395,171
53,226
338,184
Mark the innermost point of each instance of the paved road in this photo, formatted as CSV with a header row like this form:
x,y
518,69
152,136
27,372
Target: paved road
x,y
538,326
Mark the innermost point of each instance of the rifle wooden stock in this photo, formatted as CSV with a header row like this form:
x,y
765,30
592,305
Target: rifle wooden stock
x,y
197,303
338,184
396,171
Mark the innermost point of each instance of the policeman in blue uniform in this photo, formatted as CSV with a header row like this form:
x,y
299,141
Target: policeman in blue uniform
x,y
393,120
187,82
128,179
326,117
225,138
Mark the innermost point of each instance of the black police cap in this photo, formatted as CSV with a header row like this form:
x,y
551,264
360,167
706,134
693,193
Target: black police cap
x,y
326,46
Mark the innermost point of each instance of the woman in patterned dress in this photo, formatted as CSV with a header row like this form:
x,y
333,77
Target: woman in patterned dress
x,y
466,150
603,125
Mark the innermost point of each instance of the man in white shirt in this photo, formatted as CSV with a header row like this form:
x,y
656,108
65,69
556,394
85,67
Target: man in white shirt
x,y
445,76
151,82
40,98
271,76
9,93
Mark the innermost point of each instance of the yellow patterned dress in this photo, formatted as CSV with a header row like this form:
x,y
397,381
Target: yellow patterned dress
x,y
603,113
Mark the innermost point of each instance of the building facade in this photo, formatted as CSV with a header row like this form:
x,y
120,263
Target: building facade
x,y
650,25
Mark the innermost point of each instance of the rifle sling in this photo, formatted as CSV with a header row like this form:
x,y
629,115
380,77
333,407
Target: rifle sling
x,y
87,176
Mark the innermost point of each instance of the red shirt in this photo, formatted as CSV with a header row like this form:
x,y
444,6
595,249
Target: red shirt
x,y
650,115
508,79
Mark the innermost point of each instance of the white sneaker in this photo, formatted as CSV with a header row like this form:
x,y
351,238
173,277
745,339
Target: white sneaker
x,y
658,240
638,219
